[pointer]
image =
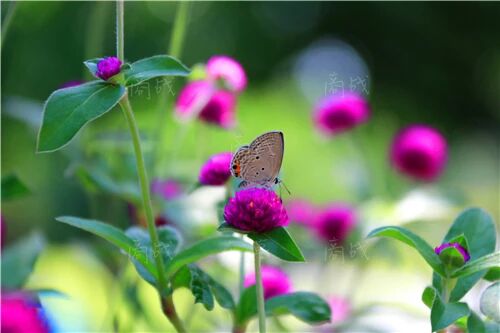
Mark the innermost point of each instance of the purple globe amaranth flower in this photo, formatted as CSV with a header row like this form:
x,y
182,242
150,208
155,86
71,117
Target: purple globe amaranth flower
x,y
108,67
255,209
334,223
167,188
21,314
209,104
338,113
420,152
275,282
229,70
216,170
456,245
341,309
301,212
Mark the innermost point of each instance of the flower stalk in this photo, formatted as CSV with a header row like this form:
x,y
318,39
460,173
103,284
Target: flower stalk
x,y
166,301
260,290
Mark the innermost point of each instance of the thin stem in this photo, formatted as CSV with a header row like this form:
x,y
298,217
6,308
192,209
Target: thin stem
x,y
8,20
179,30
259,289
120,40
242,271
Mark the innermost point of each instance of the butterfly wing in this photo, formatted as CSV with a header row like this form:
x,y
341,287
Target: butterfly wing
x,y
239,158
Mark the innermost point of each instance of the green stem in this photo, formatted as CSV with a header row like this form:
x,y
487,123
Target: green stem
x,y
179,30
120,26
260,290
242,271
169,310
8,20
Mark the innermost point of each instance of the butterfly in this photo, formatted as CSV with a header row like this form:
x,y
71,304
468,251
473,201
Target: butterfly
x,y
259,163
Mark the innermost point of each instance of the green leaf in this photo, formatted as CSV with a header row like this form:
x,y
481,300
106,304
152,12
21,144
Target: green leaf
x,y
428,296
409,238
113,235
91,65
475,324
148,68
18,260
200,288
445,314
493,274
479,230
13,188
226,227
486,262
204,249
169,243
489,302
68,110
305,306
278,242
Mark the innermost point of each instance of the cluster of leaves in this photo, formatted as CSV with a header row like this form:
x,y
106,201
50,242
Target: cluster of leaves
x,y
475,230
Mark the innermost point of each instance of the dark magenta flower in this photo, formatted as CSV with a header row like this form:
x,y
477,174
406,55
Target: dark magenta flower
x,y
419,152
460,248
301,212
20,314
167,188
203,100
341,309
216,170
334,224
338,113
108,67
255,209
275,282
229,70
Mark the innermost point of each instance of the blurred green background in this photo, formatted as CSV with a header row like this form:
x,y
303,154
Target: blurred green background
x,y
433,63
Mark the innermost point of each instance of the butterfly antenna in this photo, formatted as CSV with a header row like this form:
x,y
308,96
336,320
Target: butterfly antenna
x,y
286,188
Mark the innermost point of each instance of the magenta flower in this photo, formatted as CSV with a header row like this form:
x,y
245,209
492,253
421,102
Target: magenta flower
x,y
460,248
216,170
275,282
229,70
341,309
255,209
334,224
202,99
20,314
338,113
168,188
420,152
301,212
108,67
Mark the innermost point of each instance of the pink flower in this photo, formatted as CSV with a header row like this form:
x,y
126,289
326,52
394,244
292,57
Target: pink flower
x,y
274,281
456,245
168,188
301,212
108,67
341,309
202,99
229,70
338,113
216,171
334,224
419,152
20,314
255,209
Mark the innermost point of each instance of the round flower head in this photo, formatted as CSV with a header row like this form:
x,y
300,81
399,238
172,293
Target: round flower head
x,y
333,224
338,113
168,188
255,209
21,314
341,309
216,171
274,281
202,99
229,70
460,248
108,67
420,152
301,212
